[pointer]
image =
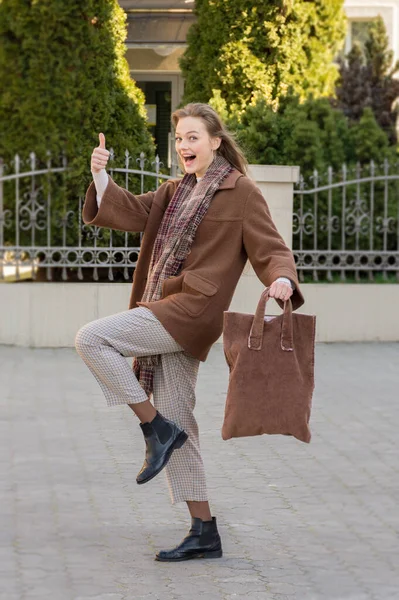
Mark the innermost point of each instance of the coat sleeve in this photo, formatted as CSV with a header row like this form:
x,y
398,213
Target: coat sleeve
x,y
119,209
266,250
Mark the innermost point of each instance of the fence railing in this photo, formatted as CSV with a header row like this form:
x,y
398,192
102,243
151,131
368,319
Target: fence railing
x,y
347,223
39,229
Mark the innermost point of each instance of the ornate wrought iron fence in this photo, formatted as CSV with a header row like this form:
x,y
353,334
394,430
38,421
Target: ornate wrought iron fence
x,y
36,232
344,223
348,223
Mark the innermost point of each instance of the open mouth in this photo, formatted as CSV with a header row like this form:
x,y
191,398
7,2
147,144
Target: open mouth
x,y
188,160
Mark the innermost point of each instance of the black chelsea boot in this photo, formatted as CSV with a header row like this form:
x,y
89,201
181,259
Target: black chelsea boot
x,y
161,438
202,541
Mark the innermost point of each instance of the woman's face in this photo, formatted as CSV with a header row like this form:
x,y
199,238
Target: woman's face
x,y
194,146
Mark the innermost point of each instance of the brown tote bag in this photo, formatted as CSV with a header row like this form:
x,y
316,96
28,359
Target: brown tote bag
x,y
271,362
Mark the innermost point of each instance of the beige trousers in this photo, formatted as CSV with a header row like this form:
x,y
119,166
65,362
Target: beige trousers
x,y
104,344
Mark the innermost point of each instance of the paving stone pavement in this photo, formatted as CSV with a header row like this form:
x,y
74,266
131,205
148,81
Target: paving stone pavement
x,y
298,521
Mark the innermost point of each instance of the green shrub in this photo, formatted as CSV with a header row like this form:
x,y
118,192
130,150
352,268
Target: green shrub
x,y
240,48
369,140
312,135
65,79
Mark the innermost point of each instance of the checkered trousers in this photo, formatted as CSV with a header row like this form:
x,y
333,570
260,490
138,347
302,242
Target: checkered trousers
x,y
104,344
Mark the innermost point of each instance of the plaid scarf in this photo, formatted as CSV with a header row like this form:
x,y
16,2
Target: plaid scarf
x,y
172,245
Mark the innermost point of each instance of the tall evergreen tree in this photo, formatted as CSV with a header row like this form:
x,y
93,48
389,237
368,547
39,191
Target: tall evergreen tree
x,y
384,85
353,90
367,79
239,50
64,78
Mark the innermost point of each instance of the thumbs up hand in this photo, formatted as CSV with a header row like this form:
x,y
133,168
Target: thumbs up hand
x,y
100,156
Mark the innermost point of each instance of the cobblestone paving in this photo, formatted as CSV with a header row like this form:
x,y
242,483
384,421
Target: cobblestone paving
x,y
298,522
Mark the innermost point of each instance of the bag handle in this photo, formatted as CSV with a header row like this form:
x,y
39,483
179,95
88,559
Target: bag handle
x,y
255,338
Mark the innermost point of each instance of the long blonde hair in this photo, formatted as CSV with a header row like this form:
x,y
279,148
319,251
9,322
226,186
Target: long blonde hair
x,y
228,148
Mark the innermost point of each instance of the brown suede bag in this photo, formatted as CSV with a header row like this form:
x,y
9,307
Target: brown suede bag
x,y
271,362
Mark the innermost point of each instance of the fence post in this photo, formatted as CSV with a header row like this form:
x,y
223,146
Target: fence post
x,y
277,186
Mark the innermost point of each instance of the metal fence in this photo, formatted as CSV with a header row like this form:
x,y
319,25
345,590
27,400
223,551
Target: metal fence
x,y
346,223
36,231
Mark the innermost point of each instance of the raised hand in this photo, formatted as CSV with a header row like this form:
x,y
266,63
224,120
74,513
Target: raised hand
x,y
100,156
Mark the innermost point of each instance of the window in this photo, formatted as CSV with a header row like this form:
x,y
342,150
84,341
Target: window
x,y
359,32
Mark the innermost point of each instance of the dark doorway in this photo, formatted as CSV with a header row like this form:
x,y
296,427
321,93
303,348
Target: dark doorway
x,y
159,95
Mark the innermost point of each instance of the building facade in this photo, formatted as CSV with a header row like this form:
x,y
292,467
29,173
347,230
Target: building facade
x,y
361,12
156,39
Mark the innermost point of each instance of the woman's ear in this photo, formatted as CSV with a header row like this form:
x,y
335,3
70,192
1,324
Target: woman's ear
x,y
216,143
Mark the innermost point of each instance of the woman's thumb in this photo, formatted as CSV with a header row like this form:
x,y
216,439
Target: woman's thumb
x,y
101,137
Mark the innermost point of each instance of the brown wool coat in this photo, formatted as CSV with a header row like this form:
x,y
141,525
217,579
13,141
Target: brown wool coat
x,y
237,227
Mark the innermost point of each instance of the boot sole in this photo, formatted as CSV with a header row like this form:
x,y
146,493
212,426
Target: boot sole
x,y
178,443
213,554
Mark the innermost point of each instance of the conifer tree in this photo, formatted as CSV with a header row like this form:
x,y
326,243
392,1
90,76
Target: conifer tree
x,y
367,79
369,141
239,50
353,90
311,134
384,85
64,79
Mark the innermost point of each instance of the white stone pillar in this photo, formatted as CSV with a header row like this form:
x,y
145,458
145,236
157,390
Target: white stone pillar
x,y
277,186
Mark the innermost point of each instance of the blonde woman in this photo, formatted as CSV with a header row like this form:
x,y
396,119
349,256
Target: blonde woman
x,y
199,232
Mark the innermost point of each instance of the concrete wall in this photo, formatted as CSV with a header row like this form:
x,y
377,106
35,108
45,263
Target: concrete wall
x,y
50,314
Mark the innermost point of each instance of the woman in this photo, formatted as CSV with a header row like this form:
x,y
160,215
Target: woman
x,y
198,234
